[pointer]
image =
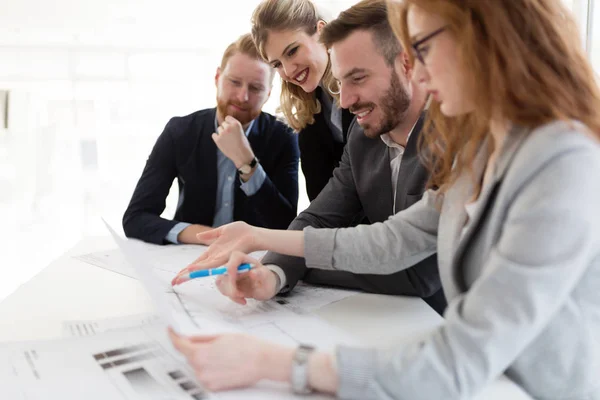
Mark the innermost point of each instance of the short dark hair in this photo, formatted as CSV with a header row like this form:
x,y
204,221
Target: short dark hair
x,y
367,15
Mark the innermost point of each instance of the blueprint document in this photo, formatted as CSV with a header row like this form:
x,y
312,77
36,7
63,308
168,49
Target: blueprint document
x,y
167,261
199,308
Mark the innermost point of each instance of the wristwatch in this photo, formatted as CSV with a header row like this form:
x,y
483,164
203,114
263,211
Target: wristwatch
x,y
247,168
300,370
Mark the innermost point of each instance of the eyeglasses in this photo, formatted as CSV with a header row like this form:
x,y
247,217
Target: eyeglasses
x,y
418,53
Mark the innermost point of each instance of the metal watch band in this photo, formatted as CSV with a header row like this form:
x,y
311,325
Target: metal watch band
x,y
300,370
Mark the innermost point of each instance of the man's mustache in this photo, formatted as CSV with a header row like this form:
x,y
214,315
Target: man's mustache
x,y
360,106
243,106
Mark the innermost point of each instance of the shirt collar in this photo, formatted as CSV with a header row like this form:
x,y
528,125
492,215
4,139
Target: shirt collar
x,y
388,140
390,143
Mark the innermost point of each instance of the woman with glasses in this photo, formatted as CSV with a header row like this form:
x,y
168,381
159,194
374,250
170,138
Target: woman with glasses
x,y
286,33
515,222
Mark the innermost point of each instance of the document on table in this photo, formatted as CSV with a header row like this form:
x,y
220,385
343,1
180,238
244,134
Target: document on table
x,y
307,298
137,363
131,364
166,301
198,308
94,327
169,260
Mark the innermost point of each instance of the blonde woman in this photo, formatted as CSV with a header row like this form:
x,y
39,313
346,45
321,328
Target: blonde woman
x,y
286,33
515,222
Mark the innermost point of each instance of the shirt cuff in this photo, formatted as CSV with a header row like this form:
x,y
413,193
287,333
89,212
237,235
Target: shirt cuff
x,y
255,182
175,231
281,287
319,245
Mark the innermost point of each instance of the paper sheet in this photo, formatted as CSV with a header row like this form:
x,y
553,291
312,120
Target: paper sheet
x,y
285,330
132,358
307,298
133,364
198,308
168,260
171,258
166,301
84,328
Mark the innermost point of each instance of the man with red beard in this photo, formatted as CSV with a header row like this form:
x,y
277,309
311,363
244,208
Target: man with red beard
x,y
232,163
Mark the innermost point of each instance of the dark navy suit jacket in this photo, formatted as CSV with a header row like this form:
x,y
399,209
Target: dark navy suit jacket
x,y
320,153
185,151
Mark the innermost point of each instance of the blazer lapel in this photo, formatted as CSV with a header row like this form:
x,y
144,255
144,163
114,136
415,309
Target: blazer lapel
x,y
206,164
452,221
254,136
485,199
410,161
377,163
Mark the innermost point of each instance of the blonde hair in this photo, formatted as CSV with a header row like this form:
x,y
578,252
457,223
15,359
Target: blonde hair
x,y
297,106
524,61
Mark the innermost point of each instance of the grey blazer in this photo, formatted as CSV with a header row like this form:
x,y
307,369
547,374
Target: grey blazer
x,y
361,190
522,283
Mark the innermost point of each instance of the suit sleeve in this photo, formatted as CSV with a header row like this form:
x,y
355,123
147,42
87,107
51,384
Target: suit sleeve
x,y
276,201
337,205
142,218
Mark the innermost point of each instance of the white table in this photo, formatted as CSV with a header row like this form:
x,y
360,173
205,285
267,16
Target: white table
x,y
70,289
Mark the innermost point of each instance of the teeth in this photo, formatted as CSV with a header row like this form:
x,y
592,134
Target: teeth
x,y
302,76
363,114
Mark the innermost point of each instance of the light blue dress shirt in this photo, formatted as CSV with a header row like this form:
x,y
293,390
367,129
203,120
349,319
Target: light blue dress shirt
x,y
226,175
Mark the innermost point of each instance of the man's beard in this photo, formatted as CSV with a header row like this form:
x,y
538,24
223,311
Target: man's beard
x,y
394,103
244,117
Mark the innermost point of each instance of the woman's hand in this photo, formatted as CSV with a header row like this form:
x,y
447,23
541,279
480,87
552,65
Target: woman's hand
x,y
241,237
223,241
233,361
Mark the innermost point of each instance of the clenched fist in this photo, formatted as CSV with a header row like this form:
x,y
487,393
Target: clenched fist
x,y
231,139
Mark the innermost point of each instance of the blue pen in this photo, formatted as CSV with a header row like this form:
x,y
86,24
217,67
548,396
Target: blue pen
x,y
216,271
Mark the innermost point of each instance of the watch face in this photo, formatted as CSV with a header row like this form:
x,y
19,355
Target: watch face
x,y
245,169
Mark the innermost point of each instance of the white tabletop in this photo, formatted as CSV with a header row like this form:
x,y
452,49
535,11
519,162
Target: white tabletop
x,y
70,289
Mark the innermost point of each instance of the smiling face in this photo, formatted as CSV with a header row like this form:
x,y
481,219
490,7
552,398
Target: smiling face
x,y
369,87
243,87
299,58
439,69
